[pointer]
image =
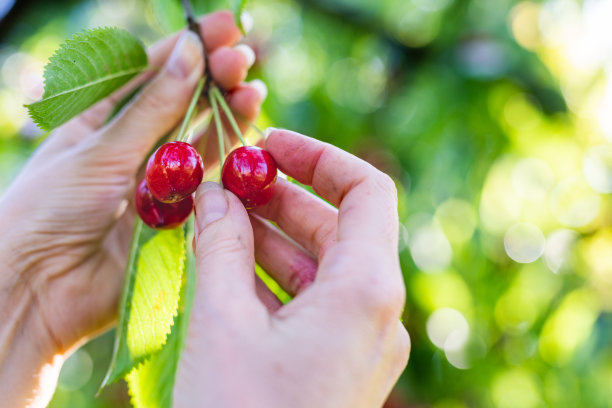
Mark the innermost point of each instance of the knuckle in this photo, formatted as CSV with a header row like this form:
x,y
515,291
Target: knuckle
x,y
398,300
394,300
403,346
199,195
380,297
323,233
225,245
151,101
386,184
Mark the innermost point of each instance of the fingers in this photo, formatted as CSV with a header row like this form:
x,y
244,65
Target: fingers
x,y
218,30
245,102
304,217
366,198
159,107
229,66
393,361
401,352
265,295
361,269
285,262
224,257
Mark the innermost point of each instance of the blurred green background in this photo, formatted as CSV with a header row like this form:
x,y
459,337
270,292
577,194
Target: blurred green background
x,y
495,119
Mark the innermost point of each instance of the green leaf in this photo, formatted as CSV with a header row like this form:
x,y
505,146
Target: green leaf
x,y
238,9
151,383
150,297
272,284
124,101
84,70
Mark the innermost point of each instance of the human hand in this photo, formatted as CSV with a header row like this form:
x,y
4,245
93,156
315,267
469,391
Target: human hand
x,y
339,342
66,221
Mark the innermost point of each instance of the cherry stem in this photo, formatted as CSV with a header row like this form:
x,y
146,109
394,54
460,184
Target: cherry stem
x,y
258,130
252,125
182,136
218,124
228,113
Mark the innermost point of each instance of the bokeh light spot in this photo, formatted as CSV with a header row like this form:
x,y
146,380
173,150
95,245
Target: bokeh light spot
x,y
524,242
457,219
76,371
597,168
516,388
569,326
430,249
442,290
532,178
448,328
524,24
559,245
574,203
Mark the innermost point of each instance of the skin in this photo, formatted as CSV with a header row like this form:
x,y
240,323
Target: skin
x,y
67,223
339,342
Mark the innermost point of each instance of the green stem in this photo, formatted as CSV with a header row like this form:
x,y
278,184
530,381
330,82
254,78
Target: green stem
x,y
251,124
218,124
128,287
190,111
256,129
228,113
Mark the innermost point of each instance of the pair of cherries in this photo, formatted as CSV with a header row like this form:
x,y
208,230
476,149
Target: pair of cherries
x,y
164,198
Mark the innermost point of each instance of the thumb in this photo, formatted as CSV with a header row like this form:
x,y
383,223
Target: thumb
x,y
224,254
162,103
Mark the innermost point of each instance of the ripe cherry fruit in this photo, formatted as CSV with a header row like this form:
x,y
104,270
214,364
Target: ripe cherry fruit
x,y
250,173
174,172
160,215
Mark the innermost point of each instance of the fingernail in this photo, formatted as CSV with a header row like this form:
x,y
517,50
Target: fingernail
x,y
186,56
212,204
269,131
260,87
247,21
248,53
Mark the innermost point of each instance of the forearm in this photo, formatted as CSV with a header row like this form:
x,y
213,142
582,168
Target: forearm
x,y
28,368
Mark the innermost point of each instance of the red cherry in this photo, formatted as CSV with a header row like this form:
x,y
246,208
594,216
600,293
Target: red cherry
x,y
160,215
174,172
250,173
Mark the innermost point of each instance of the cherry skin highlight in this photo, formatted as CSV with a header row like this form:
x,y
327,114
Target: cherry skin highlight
x,y
250,173
160,215
174,172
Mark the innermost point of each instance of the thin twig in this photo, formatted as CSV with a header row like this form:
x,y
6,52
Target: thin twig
x,y
194,26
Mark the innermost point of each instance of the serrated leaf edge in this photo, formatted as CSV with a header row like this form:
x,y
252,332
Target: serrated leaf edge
x,y
80,37
186,296
134,251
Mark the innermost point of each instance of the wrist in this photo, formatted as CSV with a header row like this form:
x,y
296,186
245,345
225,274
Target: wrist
x,y
29,364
